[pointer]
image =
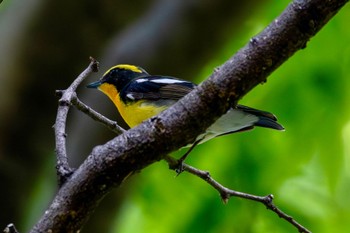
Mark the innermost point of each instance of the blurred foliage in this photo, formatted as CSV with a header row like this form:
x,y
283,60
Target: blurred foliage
x,y
306,167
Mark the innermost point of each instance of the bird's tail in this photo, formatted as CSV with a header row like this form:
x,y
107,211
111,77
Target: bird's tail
x,y
266,119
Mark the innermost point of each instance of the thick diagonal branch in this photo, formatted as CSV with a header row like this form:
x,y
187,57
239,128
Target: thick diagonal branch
x,y
110,164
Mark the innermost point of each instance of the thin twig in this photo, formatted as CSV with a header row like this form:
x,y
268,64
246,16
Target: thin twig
x,y
62,166
226,193
111,125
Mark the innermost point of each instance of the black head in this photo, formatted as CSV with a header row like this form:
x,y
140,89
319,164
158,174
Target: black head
x,y
119,76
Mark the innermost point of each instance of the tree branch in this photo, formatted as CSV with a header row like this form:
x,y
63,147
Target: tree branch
x,y
62,166
110,164
111,125
226,193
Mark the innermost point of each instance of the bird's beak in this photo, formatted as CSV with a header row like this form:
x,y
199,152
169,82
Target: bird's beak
x,y
94,84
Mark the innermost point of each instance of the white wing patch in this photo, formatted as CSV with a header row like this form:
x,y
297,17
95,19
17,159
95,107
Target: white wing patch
x,y
141,80
167,81
130,96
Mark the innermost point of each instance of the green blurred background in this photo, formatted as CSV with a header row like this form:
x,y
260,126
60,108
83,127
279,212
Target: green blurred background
x,y
45,44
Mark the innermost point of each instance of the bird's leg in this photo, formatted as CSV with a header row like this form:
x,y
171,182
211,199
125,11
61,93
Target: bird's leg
x,y
179,166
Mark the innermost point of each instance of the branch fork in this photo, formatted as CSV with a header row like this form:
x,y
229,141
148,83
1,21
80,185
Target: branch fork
x,y
63,169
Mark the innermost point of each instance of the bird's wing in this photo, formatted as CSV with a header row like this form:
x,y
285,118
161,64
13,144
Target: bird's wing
x,y
157,88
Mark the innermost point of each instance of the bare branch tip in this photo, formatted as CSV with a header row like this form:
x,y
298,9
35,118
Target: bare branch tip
x,y
95,65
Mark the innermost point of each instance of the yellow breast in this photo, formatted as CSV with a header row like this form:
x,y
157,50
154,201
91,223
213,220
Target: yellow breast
x,y
133,113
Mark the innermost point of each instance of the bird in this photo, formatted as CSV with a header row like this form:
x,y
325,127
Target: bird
x,y
139,96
